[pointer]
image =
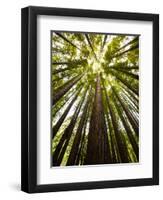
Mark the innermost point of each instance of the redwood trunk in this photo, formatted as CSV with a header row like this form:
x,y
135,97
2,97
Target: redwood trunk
x,y
98,146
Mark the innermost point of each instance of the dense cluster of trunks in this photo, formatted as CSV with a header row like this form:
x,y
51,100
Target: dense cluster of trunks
x,y
104,124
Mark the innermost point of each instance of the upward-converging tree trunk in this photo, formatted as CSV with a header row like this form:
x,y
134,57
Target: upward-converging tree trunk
x,y
90,44
64,69
98,147
129,43
111,136
63,89
124,82
128,50
128,130
135,76
61,147
126,68
64,38
129,115
129,93
121,146
131,98
104,42
61,119
78,136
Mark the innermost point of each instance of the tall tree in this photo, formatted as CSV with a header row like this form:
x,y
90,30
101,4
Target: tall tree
x,y
98,147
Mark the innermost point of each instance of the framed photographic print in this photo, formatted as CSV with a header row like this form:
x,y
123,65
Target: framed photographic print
x,y
90,99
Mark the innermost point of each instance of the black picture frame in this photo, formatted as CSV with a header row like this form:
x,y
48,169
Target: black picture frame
x,y
29,98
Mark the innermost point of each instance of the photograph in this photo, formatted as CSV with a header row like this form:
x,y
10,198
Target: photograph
x,y
94,98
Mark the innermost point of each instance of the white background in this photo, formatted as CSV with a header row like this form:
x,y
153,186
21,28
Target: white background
x,y
10,100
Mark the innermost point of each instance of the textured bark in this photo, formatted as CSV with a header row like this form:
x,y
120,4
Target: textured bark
x,y
62,118
65,88
98,146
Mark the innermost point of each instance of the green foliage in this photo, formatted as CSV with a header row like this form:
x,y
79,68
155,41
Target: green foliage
x,y
115,60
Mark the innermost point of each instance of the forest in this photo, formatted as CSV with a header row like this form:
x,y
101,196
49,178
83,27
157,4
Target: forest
x,y
95,98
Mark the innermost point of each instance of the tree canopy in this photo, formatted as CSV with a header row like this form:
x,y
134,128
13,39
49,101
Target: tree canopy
x,y
95,98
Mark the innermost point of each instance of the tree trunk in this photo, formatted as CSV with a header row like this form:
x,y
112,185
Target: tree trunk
x,y
62,145
124,68
62,118
64,38
130,117
112,144
129,43
90,44
65,88
130,94
65,69
126,72
121,146
104,42
56,109
128,131
83,144
69,63
131,98
130,49
125,82
98,145
77,139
